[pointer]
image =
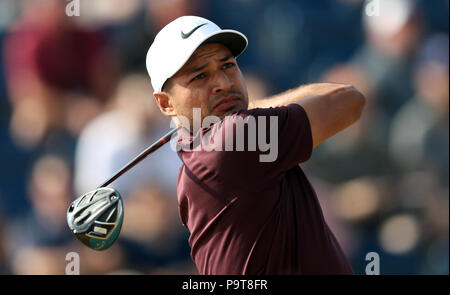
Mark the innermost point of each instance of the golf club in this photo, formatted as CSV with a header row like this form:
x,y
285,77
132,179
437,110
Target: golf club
x,y
96,217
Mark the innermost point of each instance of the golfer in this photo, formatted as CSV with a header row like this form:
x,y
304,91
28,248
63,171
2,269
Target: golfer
x,y
246,213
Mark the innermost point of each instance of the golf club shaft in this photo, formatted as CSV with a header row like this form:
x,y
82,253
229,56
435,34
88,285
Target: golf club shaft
x,y
163,140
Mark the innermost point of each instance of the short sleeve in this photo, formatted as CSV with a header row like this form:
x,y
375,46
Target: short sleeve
x,y
293,139
273,141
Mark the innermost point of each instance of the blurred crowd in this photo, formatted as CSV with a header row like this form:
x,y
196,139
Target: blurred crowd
x,y
76,104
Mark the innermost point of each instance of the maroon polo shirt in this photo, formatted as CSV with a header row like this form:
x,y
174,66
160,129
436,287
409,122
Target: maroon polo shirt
x,y
246,216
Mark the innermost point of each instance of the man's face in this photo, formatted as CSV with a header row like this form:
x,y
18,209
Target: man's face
x,y
211,80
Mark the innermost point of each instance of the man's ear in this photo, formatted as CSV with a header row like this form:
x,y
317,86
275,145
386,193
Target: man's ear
x,y
165,103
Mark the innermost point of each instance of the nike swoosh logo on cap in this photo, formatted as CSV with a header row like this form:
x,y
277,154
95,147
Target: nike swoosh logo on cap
x,y
185,36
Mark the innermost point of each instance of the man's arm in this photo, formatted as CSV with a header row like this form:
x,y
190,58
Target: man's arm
x,y
330,107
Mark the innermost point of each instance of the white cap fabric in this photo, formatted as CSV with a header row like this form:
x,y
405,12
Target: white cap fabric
x,y
177,41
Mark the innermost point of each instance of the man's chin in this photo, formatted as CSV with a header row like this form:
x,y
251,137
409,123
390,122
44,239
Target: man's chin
x,y
223,113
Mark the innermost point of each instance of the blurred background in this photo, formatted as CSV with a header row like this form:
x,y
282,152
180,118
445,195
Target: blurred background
x,y
76,105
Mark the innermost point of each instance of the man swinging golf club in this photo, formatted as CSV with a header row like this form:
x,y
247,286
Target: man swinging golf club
x,y
246,215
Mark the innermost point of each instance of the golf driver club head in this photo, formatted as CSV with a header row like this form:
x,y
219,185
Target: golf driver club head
x,y
96,218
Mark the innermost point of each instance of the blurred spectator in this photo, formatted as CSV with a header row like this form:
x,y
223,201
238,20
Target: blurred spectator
x,y
386,58
49,190
44,226
47,55
419,132
366,139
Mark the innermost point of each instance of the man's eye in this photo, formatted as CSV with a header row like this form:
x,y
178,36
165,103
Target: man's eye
x,y
198,77
228,65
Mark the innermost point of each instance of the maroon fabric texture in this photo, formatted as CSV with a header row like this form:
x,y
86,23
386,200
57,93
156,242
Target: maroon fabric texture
x,y
251,217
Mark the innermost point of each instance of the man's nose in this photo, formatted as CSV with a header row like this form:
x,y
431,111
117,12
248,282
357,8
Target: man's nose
x,y
222,82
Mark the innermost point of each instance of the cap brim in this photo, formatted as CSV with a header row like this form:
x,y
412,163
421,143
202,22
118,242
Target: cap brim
x,y
234,40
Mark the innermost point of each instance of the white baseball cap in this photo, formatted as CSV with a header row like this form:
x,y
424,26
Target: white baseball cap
x,y
177,41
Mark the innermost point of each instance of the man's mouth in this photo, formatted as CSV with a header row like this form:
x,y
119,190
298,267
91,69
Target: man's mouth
x,y
226,103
